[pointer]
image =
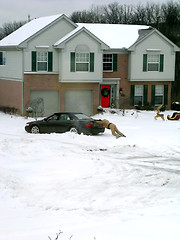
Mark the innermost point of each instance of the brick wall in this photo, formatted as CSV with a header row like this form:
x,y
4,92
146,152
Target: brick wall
x,y
50,82
11,94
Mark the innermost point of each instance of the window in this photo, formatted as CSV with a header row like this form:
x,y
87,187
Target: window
x,y
107,62
2,58
110,62
153,62
64,117
42,61
159,94
82,62
138,95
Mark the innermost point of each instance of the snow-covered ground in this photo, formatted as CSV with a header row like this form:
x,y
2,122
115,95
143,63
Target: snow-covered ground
x,y
91,187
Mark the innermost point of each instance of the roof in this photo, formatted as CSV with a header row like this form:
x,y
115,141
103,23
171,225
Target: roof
x,y
115,35
28,30
76,31
146,33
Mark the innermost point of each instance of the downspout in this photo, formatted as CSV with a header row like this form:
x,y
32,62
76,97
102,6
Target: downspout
x,y
22,89
22,78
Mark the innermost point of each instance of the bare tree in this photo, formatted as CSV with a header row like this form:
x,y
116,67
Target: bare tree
x,y
10,27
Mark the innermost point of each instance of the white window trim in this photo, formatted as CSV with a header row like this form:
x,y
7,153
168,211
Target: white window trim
x,y
81,62
148,62
42,61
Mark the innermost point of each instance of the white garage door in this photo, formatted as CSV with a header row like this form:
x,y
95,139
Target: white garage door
x,y
45,102
79,101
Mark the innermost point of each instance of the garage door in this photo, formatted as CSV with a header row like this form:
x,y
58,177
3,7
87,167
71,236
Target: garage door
x,y
79,101
45,102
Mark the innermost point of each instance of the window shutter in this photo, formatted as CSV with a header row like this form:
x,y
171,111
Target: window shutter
x,y
50,61
161,68
132,95
144,62
1,58
72,61
114,62
145,94
33,59
152,95
91,62
165,94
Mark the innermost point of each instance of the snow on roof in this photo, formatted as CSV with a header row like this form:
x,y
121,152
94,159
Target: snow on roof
x,y
27,30
115,35
73,32
68,35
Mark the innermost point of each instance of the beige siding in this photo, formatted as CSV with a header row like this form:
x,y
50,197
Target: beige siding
x,y
48,38
13,68
66,75
136,60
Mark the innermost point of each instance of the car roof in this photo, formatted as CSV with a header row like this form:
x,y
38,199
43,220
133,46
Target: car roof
x,y
69,113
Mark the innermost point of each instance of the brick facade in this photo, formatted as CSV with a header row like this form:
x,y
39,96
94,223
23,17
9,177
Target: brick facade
x,y
51,82
11,94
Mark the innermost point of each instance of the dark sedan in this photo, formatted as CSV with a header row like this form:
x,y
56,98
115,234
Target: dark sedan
x,y
64,122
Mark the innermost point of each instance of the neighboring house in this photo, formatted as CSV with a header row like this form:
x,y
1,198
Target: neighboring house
x,y
77,67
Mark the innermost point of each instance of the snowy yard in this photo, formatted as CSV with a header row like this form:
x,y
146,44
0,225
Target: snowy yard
x,y
91,187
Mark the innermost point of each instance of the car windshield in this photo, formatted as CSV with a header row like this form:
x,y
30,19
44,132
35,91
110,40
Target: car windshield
x,y
81,116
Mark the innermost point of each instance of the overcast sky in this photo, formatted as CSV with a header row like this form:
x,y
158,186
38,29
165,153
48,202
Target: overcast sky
x,y
17,10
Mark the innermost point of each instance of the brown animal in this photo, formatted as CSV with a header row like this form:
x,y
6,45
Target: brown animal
x,y
158,114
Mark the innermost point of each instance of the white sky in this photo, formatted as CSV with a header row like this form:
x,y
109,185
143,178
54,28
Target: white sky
x,y
17,10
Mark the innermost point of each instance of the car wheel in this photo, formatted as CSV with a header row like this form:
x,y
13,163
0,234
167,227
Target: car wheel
x,y
35,129
73,130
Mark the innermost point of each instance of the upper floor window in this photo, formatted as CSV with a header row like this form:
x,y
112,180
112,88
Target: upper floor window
x,y
107,62
153,62
82,62
3,58
42,61
110,62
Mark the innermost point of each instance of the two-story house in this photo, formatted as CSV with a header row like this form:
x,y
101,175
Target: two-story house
x,y
77,67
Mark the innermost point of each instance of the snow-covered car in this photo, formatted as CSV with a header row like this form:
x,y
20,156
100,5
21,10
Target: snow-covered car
x,y
65,121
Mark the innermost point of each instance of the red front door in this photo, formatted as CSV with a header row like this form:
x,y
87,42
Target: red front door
x,y
105,96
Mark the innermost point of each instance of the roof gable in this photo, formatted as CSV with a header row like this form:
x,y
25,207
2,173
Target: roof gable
x,y
75,32
145,34
31,29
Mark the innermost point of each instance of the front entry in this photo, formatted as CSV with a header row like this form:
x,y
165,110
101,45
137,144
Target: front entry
x,y
105,96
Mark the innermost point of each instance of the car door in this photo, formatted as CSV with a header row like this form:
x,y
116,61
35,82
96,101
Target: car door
x,y
63,124
49,125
